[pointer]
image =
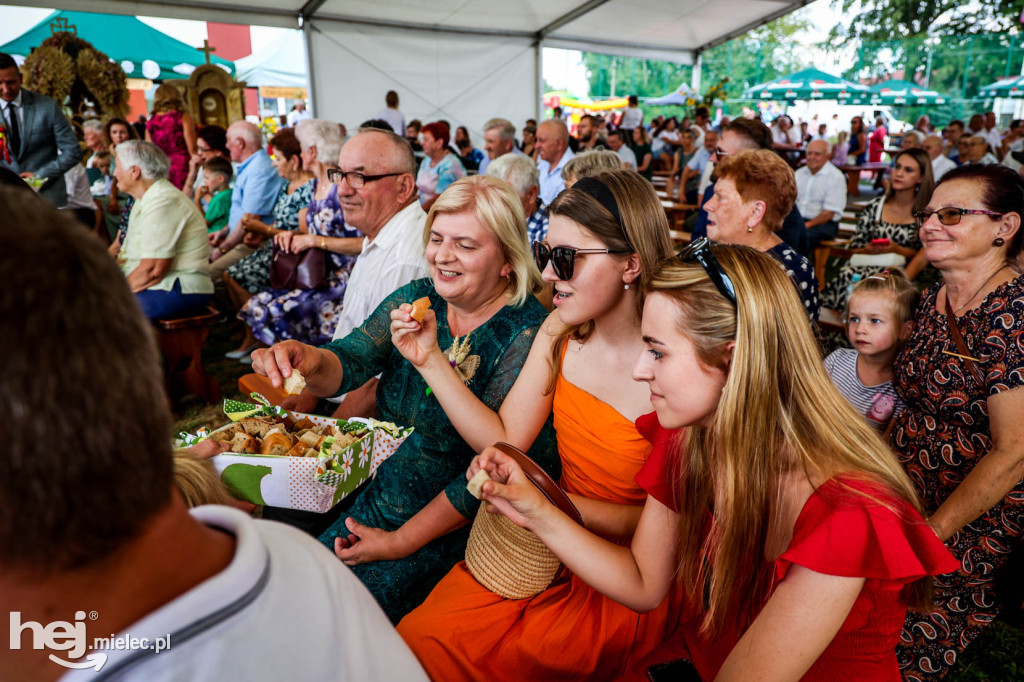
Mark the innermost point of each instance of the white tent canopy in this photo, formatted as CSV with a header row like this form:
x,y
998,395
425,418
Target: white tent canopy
x,y
282,63
462,60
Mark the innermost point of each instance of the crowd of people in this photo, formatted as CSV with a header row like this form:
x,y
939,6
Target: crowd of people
x,y
750,502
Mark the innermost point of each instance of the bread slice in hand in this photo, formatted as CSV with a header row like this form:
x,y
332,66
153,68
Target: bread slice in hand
x,y
294,384
476,484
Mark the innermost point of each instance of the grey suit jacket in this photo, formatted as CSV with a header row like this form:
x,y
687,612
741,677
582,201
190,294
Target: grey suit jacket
x,y
44,131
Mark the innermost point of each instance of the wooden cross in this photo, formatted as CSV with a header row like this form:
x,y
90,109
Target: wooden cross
x,y
206,49
61,25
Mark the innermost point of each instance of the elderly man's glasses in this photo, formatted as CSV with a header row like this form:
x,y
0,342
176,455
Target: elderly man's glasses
x,y
355,179
950,215
562,258
700,251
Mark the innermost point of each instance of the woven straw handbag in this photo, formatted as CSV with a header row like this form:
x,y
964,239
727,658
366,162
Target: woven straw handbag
x,y
507,559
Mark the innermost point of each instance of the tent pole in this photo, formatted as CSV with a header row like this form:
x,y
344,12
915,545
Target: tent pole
x,y
307,35
538,80
695,77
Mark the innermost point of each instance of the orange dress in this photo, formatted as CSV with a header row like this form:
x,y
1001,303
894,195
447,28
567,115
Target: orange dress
x,y
569,631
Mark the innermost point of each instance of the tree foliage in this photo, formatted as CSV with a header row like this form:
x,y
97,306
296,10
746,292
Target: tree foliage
x,y
888,19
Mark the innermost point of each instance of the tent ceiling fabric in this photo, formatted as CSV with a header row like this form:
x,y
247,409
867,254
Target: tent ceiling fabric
x,y
666,29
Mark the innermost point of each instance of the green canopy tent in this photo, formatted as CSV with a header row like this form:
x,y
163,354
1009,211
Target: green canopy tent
x,y
809,84
1011,87
898,92
142,51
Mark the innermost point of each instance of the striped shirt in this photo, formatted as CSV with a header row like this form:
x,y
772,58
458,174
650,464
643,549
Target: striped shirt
x,y
878,403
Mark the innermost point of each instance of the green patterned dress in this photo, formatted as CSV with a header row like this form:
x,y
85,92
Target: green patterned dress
x,y
434,457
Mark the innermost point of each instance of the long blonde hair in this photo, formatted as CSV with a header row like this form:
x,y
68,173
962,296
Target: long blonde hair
x,y
779,413
643,231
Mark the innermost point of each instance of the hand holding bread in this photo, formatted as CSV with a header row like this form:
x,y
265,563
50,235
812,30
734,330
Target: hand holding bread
x,y
318,370
414,331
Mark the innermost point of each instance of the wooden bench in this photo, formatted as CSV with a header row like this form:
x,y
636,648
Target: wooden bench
x,y
181,341
254,383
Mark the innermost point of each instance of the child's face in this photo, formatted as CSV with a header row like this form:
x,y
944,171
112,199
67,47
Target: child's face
x,y
873,329
214,181
103,166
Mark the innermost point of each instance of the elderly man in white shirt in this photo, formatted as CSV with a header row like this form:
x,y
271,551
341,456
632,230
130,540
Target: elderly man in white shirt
x,y
941,164
820,193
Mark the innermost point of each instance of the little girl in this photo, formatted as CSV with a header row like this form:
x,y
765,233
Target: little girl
x,y
880,316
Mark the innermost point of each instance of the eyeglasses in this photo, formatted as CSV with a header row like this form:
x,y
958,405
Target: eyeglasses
x,y
355,179
700,251
562,258
950,215
720,154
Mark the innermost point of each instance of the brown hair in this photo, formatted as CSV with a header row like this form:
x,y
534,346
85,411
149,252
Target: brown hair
x,y
779,413
644,231
87,456
761,175
167,98
756,132
923,192
284,141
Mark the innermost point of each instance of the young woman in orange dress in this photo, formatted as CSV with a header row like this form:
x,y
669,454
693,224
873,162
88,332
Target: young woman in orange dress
x,y
607,234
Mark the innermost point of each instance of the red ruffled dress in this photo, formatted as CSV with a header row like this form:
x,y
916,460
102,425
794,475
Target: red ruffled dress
x,y
838,532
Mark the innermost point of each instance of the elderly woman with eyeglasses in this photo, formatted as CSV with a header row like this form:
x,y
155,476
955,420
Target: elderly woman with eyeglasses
x,y
960,436
310,315
754,193
409,525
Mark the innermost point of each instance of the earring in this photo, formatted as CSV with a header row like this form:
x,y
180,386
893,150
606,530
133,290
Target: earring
x,y
750,229
917,188
998,241
626,287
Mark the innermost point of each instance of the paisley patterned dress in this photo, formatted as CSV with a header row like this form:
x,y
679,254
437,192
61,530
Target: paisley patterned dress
x,y
308,315
940,437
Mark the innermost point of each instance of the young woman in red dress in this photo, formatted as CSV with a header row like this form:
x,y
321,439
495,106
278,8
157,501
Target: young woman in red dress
x,y
798,537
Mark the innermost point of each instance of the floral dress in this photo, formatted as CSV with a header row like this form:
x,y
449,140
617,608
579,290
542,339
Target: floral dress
x,y
167,133
940,436
434,458
252,273
307,315
869,226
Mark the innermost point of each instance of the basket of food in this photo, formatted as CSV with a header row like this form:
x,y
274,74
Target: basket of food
x,y
298,461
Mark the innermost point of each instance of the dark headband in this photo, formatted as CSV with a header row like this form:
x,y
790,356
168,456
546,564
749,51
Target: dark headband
x,y
600,191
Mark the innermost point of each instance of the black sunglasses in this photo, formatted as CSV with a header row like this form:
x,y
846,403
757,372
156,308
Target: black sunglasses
x,y
562,258
700,250
950,215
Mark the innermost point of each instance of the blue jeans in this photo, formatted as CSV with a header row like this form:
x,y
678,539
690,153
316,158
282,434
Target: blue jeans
x,y
170,304
822,233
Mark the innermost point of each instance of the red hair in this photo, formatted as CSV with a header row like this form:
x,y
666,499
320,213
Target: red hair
x,y
439,131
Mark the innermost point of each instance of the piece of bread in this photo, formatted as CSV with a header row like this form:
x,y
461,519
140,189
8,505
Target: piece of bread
x,y
476,484
276,444
243,442
294,384
419,308
255,426
298,450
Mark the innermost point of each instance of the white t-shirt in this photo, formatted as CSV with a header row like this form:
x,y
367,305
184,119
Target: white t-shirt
x,y
285,608
878,403
631,118
294,116
821,191
705,179
994,139
941,165
628,156
395,118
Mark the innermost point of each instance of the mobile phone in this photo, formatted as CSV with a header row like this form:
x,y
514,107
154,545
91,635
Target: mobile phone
x,y
880,242
673,671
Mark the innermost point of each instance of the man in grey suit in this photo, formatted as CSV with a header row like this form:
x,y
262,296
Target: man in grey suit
x,y
36,131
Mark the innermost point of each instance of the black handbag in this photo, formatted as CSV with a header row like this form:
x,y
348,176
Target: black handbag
x,y
304,270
